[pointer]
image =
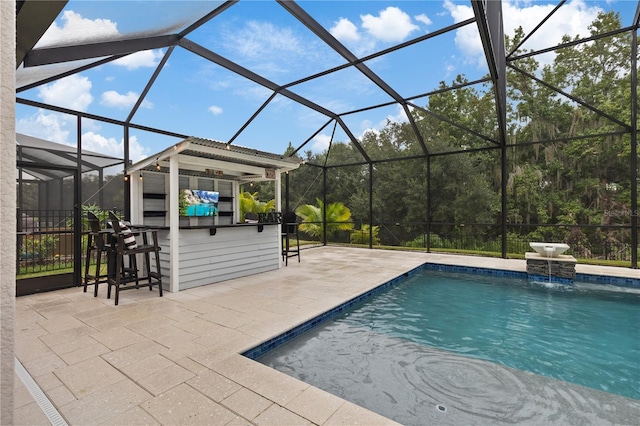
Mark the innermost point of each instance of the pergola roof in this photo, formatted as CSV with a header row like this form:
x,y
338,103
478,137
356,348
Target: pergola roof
x,y
203,157
45,160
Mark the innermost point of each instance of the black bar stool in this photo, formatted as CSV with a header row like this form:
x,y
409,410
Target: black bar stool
x,y
125,277
289,230
96,243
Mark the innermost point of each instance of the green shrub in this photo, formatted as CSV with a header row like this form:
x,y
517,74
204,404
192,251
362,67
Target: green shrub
x,y
361,236
38,249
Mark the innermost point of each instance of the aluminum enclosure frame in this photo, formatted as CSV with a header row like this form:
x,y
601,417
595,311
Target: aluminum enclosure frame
x,y
487,17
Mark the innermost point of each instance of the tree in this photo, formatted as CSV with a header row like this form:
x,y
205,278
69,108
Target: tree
x,y
249,203
361,236
338,218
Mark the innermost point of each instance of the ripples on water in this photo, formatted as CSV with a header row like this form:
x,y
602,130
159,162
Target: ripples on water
x,y
401,354
584,337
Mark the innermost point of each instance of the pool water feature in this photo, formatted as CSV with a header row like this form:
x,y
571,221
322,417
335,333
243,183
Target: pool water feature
x,y
475,347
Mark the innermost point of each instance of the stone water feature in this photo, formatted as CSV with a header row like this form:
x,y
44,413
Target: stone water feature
x,y
549,264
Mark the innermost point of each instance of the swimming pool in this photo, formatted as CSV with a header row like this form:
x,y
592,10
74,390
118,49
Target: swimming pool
x,y
479,345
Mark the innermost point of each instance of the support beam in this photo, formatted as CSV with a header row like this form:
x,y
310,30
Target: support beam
x,y
324,35
56,55
489,19
250,75
174,225
77,208
370,205
33,18
634,146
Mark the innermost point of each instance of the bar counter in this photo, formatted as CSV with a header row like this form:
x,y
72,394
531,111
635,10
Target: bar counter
x,y
212,253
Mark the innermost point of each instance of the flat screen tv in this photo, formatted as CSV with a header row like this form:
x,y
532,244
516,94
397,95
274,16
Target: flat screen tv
x,y
198,203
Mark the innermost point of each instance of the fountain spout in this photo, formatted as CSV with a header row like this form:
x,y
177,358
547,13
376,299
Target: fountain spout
x,y
549,249
549,262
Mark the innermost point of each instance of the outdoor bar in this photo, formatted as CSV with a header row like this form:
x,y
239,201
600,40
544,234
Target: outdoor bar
x,y
190,193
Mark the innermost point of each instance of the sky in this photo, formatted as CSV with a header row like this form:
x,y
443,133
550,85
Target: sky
x,y
195,97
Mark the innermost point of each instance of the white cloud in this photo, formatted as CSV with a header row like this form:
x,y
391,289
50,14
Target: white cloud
x,y
368,130
423,18
111,146
75,28
572,18
273,51
45,125
320,143
260,39
398,117
145,58
252,91
56,127
215,110
137,152
111,98
392,25
467,38
367,126
344,30
449,69
72,92
95,142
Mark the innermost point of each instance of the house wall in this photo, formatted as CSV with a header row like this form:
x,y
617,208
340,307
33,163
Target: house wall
x,y
8,212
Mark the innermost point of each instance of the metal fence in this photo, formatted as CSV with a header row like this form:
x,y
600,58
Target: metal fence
x,y
44,241
592,242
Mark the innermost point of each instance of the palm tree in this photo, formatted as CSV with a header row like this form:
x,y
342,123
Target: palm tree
x,y
338,218
249,203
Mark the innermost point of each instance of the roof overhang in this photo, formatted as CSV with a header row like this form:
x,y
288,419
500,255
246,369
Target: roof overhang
x,y
33,18
46,160
207,158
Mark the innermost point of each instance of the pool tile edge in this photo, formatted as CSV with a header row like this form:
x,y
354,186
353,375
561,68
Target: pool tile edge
x,y
272,343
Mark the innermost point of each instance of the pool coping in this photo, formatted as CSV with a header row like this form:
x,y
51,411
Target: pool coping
x,y
261,349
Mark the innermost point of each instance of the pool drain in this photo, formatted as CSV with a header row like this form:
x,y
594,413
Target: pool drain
x,y
441,408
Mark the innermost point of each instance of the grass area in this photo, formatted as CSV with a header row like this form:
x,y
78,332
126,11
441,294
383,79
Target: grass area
x,y
602,262
48,272
44,273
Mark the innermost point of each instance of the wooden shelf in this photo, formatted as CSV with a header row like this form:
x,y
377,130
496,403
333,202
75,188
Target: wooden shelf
x,y
153,206
153,196
154,213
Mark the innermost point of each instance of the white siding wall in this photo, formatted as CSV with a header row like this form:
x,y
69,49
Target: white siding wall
x,y
231,253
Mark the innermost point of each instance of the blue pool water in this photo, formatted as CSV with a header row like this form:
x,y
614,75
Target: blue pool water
x,y
584,337
414,338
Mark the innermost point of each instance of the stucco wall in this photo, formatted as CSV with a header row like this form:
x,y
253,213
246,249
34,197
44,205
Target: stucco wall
x,y
8,210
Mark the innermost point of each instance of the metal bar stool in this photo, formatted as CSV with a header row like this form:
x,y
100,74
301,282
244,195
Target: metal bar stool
x,y
125,277
96,243
290,229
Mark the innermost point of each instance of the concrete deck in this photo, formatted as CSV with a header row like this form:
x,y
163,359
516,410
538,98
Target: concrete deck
x,y
175,360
